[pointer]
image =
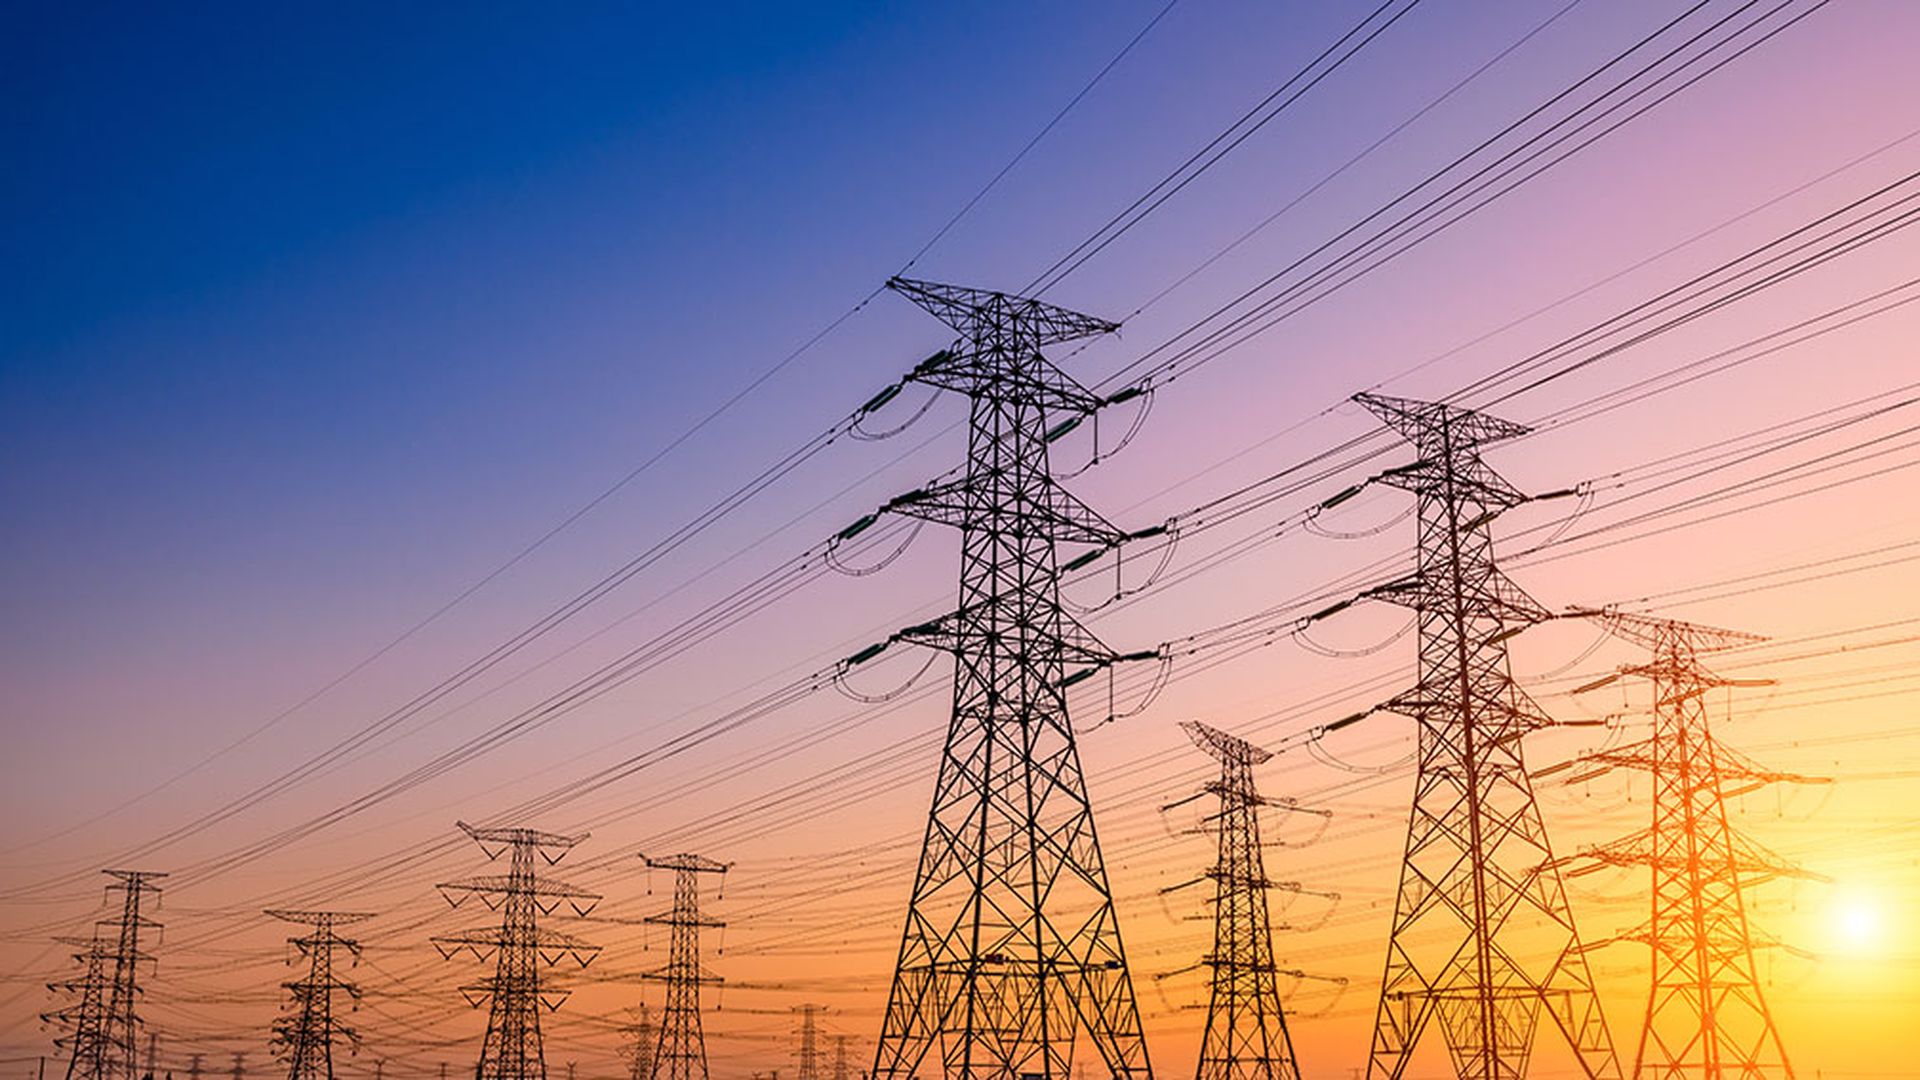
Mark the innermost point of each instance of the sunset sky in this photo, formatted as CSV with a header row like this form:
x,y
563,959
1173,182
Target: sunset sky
x,y
346,349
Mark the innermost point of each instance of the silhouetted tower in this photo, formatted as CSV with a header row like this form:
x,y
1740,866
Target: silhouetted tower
x,y
305,1034
842,1064
1483,940
239,1065
1706,1014
1246,1034
1011,946
519,946
682,1052
194,1065
808,1053
102,1044
640,1051
153,1054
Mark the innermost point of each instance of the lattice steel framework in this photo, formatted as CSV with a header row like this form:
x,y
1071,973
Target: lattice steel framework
x,y
639,1052
305,1036
1706,1015
1483,940
1246,1036
103,1023
807,1055
842,1068
519,946
682,1050
1010,946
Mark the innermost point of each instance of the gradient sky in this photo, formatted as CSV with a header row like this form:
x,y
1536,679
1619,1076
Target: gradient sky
x,y
314,319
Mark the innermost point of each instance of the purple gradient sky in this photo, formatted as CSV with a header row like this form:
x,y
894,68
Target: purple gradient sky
x,y
312,321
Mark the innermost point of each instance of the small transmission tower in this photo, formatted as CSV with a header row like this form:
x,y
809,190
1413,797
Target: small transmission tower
x,y
1246,1035
305,1036
1011,945
842,1064
1483,940
103,1023
1706,1015
808,1053
519,945
682,1052
640,1051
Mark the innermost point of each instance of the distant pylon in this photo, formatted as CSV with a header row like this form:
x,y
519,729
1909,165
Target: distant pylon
x,y
513,1049
1482,939
640,1051
306,1034
1246,1035
1706,1015
103,1044
1011,946
808,1053
682,1051
842,1064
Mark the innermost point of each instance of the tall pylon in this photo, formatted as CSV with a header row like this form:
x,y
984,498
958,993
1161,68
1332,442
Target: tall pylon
x,y
682,1050
807,1054
1706,1016
1246,1036
513,1049
103,1023
1011,946
305,1035
639,1052
1483,939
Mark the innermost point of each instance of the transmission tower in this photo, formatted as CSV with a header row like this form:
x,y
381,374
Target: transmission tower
x,y
1011,945
1246,1035
682,1051
1706,1015
519,945
842,1064
640,1050
1483,940
305,1035
103,1023
808,1052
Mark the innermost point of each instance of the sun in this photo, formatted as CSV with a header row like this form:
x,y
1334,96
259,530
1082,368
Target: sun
x,y
1856,921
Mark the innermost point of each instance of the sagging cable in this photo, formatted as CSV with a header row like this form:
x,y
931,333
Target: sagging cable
x,y
887,560
1301,639
840,682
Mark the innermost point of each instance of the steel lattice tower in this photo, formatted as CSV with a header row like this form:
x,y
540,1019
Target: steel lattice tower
x,y
1246,1035
305,1036
640,1050
103,1044
809,1052
1483,939
513,1049
1706,1015
1011,946
842,1066
682,1050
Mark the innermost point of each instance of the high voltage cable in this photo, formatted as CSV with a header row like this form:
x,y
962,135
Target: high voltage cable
x,y
598,590
646,464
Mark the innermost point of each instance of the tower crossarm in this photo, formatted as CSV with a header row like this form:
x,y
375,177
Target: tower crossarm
x,y
1053,512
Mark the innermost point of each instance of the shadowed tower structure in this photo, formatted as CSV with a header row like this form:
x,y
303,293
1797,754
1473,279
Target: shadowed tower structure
x,y
1706,1017
103,1024
682,1051
1246,1035
1011,947
306,1034
1483,942
519,946
639,1052
808,1052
